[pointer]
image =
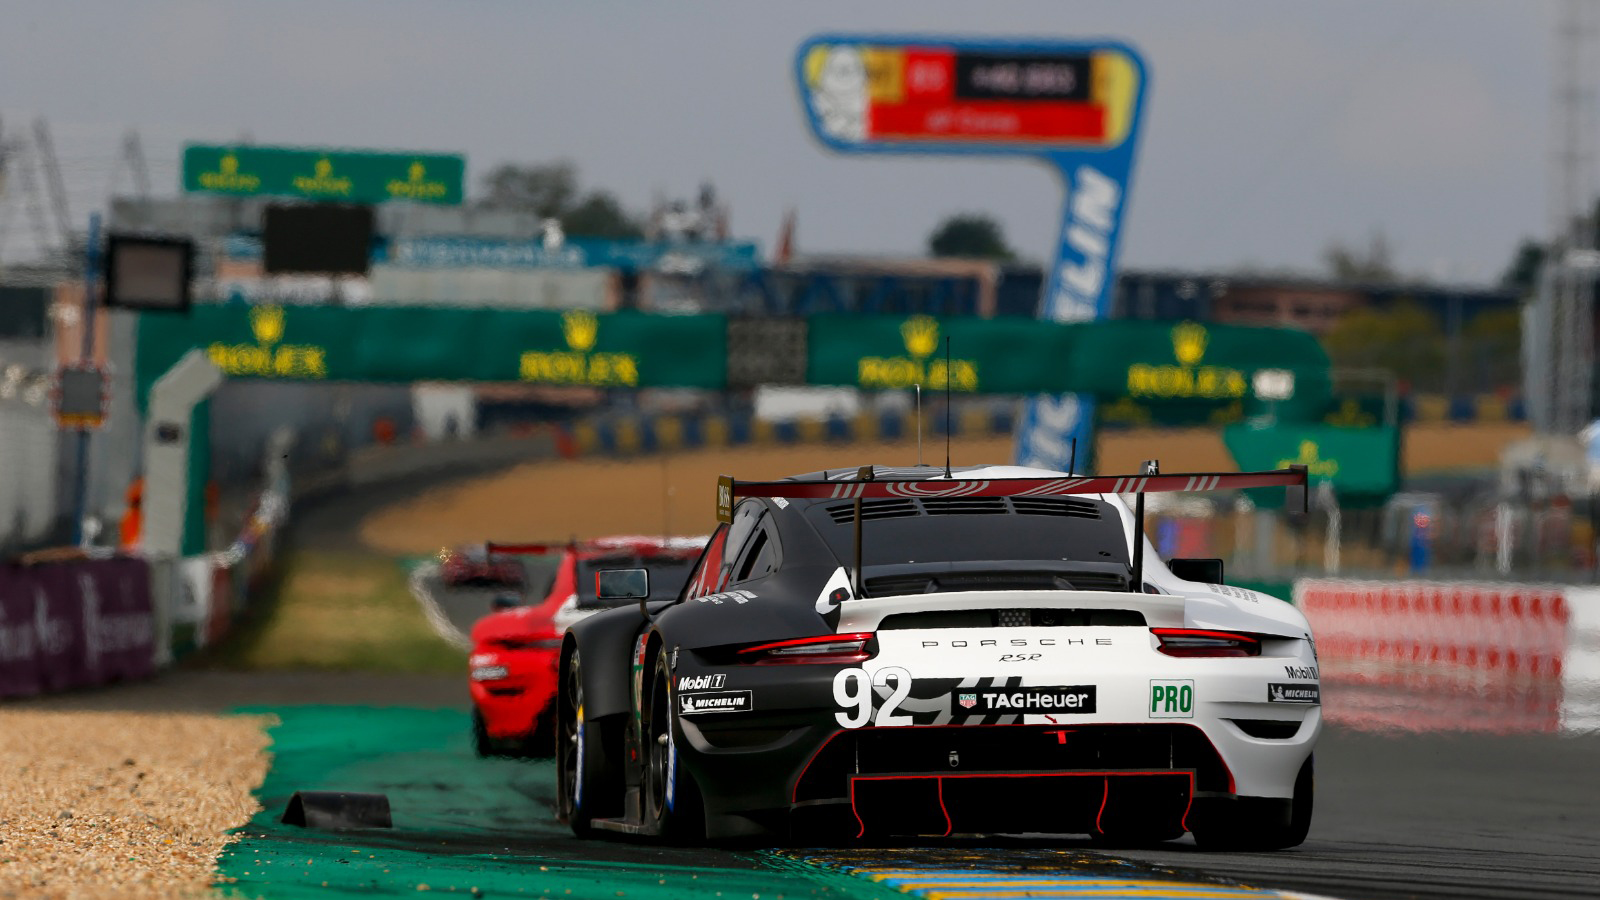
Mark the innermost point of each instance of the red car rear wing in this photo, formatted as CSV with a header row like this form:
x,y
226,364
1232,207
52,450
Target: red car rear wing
x,y
643,547
865,487
527,549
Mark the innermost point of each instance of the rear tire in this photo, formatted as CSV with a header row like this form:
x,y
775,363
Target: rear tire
x,y
1250,824
541,742
588,777
482,744
672,803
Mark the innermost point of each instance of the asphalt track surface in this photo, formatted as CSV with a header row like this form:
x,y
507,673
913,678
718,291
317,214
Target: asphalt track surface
x,y
461,606
1398,815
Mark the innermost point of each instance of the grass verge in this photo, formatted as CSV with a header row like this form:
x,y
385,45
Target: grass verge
x,y
338,611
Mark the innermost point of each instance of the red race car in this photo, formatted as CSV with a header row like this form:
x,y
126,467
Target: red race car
x,y
515,648
480,566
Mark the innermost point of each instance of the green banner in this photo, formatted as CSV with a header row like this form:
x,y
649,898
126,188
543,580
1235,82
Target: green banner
x,y
1216,365
1357,461
1150,373
405,344
996,356
334,176
1193,371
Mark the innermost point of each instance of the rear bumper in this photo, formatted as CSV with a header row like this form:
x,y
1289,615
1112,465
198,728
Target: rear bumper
x,y
1012,778
784,756
1086,802
511,706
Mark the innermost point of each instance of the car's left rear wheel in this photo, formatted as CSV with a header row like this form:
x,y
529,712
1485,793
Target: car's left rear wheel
x,y
484,745
588,776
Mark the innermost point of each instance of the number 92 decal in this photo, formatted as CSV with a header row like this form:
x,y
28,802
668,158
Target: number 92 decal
x,y
853,692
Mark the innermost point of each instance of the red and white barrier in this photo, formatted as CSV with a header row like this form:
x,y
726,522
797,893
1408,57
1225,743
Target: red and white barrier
x,y
1418,655
1580,671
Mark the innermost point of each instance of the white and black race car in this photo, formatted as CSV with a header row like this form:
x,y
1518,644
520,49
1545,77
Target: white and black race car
x,y
904,652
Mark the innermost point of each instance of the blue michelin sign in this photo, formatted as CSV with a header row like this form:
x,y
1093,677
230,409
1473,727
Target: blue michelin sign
x,y
1075,105
452,252
455,252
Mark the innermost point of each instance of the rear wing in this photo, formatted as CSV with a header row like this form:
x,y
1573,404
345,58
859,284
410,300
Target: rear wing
x,y
642,546
864,486
1149,481
492,548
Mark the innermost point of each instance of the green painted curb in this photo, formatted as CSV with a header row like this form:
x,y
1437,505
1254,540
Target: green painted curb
x,y
463,825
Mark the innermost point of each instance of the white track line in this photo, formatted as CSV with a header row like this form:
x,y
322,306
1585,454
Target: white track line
x,y
430,607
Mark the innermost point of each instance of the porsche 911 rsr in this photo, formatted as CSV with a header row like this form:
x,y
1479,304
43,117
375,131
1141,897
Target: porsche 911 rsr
x,y
899,652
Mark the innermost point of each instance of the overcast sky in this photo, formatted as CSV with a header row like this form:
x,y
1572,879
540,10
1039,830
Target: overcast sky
x,y
1271,128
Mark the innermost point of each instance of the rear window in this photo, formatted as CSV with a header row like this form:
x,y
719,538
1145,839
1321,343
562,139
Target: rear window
x,y
906,531
667,576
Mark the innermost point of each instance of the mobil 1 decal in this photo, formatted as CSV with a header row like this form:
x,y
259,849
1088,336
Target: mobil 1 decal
x,y
1171,698
889,696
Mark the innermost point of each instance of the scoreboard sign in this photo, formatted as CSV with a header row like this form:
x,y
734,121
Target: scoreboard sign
x,y
1073,105
866,94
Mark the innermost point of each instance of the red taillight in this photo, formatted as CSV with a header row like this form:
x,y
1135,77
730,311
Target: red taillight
x,y
825,648
1201,642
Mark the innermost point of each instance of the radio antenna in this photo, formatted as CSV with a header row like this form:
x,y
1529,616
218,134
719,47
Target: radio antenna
x,y
1072,456
919,424
947,406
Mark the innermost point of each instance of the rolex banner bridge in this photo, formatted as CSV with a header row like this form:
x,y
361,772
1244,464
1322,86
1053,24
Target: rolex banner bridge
x,y
1215,367
1213,370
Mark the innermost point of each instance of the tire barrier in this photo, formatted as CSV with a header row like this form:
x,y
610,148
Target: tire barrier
x,y
1440,656
75,624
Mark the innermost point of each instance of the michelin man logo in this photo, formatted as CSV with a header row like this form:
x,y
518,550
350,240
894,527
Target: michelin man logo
x,y
838,77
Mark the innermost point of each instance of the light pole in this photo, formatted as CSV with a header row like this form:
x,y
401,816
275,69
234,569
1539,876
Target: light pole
x,y
91,274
